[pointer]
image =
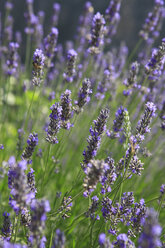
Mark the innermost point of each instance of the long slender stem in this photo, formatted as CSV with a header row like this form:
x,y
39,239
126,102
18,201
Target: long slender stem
x,y
29,110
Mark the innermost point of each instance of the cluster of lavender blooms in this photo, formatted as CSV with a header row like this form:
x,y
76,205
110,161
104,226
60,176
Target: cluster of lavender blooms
x,y
97,34
32,142
71,61
150,236
7,227
38,66
59,239
21,194
83,95
153,22
112,18
83,31
131,81
131,161
117,124
95,137
50,45
37,226
56,12
55,123
143,124
65,209
83,76
66,112
12,59
127,212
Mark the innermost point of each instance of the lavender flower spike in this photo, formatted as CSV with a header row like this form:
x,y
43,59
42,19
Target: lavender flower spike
x,y
54,124
112,17
49,45
12,60
150,236
83,95
95,137
117,123
6,229
38,66
157,61
152,22
38,218
17,182
97,33
66,113
143,124
59,239
71,61
32,142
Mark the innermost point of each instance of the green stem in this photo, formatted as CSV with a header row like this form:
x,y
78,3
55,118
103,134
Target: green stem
x,y
29,110
17,227
160,205
51,237
45,167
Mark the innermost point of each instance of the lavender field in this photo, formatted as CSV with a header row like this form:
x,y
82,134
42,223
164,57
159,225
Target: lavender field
x,y
82,131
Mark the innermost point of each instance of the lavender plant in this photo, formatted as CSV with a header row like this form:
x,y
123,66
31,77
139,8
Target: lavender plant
x,y
63,189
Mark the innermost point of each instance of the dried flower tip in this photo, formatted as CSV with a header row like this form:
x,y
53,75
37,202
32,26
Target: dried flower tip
x,y
54,124
97,34
65,209
12,59
71,61
38,66
94,170
50,45
32,142
83,95
66,113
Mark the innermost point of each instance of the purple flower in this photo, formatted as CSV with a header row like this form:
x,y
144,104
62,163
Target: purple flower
x,y
152,23
56,12
71,61
6,229
38,66
162,188
66,113
156,63
32,143
95,137
54,124
143,124
112,18
83,95
97,33
1,147
39,209
17,182
123,242
104,241
50,45
59,239
12,59
102,238
150,236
